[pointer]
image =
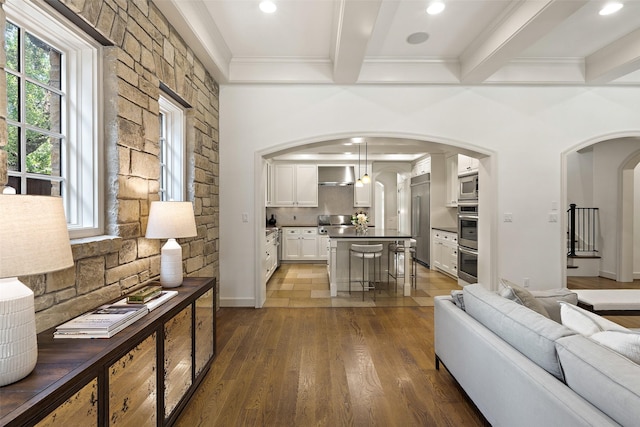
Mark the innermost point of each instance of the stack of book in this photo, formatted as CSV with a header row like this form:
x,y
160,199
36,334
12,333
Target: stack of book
x,y
108,320
104,322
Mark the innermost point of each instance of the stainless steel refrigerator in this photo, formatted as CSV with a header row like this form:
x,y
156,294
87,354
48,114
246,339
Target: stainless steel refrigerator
x,y
420,211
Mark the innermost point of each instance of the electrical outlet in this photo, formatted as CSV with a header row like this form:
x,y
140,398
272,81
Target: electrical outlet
x,y
508,217
526,282
245,217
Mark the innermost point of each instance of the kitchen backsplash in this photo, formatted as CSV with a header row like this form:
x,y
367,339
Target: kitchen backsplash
x,y
331,201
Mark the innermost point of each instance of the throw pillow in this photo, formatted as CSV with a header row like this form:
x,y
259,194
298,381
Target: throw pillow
x,y
522,296
550,299
458,298
627,343
585,322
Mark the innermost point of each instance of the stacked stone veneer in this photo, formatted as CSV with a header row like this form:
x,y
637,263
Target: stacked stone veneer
x,y
146,51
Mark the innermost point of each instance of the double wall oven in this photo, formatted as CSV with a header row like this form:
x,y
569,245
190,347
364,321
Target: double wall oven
x,y
468,233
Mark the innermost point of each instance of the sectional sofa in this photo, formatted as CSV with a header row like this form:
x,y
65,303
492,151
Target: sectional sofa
x,y
522,367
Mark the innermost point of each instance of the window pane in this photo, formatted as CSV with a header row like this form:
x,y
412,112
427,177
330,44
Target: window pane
x,y
13,100
13,148
40,187
14,182
42,61
43,107
43,154
11,40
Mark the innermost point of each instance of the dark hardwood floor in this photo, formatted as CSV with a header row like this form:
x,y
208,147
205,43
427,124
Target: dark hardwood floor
x,y
328,367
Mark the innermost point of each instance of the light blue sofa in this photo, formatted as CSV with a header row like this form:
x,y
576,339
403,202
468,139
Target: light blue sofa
x,y
521,368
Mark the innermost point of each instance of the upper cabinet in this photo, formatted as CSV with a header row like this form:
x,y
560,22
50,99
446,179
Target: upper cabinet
x,y
362,196
467,164
421,167
451,171
295,185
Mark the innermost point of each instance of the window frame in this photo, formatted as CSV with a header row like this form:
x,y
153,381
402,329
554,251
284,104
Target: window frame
x,y
81,112
172,149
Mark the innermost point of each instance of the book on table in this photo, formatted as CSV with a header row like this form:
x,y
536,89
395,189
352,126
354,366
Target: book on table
x,y
103,322
153,303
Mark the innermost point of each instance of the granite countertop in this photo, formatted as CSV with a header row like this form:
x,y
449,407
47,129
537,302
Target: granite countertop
x,y
371,233
447,229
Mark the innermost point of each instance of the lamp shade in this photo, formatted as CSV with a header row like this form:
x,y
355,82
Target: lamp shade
x,y
33,240
33,235
170,220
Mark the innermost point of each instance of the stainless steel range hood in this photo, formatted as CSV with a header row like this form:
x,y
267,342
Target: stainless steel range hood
x,y
336,175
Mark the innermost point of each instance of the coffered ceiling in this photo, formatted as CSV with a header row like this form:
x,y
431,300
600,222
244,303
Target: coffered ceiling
x,y
471,42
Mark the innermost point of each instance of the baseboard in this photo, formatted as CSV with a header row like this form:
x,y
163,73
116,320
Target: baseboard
x,y
608,275
237,302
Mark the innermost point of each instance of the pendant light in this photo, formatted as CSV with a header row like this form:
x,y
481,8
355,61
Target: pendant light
x,y
359,181
365,179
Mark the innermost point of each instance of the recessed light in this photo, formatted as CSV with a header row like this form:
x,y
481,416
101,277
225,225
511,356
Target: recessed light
x,y
610,8
435,8
417,38
268,6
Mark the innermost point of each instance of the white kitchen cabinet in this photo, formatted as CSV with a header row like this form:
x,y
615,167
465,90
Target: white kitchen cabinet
x,y
467,164
445,252
451,171
270,256
323,246
362,196
421,167
300,243
295,185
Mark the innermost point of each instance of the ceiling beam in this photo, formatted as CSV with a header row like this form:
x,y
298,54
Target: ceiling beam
x,y
527,22
356,21
614,60
197,27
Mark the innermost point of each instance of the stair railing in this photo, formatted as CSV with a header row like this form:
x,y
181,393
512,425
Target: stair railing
x,y
583,230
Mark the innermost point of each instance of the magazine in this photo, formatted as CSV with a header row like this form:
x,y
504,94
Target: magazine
x,y
103,322
153,303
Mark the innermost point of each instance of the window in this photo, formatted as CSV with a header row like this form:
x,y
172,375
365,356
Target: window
x,y
53,128
171,150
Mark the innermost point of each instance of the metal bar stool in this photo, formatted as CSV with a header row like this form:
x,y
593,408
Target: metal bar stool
x,y
395,249
365,252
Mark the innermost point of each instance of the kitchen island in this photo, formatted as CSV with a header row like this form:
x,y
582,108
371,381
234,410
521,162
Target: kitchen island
x,y
340,241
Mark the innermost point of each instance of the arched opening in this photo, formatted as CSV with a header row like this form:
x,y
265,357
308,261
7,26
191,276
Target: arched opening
x,y
603,175
398,144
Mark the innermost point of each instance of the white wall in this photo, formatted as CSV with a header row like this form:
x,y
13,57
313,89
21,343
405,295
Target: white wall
x,y
608,158
636,223
525,129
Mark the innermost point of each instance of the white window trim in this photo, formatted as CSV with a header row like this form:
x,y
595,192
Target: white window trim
x,y
82,83
174,133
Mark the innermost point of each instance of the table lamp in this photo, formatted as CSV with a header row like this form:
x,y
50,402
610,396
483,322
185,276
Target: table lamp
x,y
171,220
33,240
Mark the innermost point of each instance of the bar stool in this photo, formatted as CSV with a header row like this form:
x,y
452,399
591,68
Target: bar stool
x,y
365,252
394,251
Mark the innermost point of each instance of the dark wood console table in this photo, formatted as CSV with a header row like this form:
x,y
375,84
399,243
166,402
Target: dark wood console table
x,y
144,375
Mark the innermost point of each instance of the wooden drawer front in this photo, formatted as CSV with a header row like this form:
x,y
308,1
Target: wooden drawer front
x,y
132,386
204,330
177,359
81,409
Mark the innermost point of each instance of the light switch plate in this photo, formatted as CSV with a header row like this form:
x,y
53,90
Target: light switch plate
x,y
508,217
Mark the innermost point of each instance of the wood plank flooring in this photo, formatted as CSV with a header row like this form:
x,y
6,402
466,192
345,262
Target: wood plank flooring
x,y
307,285
328,367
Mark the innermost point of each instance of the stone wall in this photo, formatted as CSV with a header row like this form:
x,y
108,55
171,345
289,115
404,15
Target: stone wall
x,y
146,52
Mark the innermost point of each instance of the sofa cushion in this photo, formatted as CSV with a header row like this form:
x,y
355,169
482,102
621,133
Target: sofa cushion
x,y
521,296
627,343
550,300
458,298
529,332
585,322
601,376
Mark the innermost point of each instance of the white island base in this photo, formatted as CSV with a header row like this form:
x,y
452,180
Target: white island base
x,y
339,244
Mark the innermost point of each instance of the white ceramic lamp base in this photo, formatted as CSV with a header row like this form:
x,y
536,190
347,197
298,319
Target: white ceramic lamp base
x,y
171,264
18,342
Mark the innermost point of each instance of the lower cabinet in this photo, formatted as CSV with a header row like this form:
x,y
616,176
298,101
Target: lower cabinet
x,y
142,376
300,244
445,252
